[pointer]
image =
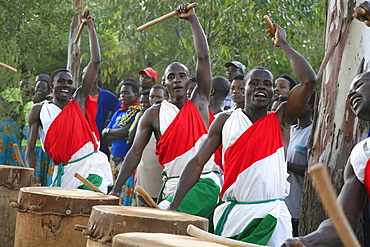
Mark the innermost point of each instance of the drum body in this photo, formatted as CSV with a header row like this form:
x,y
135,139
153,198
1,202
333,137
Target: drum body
x,y
47,215
140,239
11,179
107,221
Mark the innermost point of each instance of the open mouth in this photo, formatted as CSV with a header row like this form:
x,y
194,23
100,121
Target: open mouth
x,y
260,95
64,92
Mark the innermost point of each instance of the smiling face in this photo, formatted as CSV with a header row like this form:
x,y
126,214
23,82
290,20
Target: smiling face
x,y
259,90
63,86
359,96
177,80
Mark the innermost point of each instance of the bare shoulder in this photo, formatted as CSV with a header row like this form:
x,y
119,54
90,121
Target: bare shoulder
x,y
37,107
151,116
220,120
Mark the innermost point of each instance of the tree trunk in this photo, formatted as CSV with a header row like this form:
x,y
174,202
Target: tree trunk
x,y
74,54
336,129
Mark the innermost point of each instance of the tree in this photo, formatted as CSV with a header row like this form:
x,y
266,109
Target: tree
x,y
336,129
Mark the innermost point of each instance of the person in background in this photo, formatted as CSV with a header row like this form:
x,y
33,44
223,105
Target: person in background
x,y
297,161
233,69
282,86
117,131
219,91
107,105
44,164
237,91
148,76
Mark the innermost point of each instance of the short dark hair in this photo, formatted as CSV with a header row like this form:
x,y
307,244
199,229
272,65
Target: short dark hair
x,y
160,87
56,73
145,93
247,75
134,86
238,77
221,85
292,82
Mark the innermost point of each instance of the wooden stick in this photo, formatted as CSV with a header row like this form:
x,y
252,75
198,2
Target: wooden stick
x,y
77,38
87,183
18,155
164,17
8,67
199,233
269,24
140,190
325,189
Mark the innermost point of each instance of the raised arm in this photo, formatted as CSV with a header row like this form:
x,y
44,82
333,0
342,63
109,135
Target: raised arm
x,y
190,175
33,128
300,94
133,156
200,96
92,68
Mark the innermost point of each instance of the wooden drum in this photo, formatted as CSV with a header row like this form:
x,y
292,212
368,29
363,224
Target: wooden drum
x,y
107,221
47,215
141,239
11,179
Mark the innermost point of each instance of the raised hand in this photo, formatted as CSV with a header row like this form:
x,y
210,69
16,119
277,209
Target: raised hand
x,y
183,13
278,35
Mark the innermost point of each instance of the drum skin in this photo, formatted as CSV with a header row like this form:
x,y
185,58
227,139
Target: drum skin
x,y
139,239
107,221
47,215
11,179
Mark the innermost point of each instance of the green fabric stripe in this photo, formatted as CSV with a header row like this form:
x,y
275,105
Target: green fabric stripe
x,y
222,221
201,200
94,179
258,231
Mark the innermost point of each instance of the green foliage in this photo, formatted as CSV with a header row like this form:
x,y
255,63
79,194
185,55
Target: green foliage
x,y
34,35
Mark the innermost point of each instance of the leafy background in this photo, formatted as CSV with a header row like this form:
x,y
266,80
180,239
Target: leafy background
x,y
34,36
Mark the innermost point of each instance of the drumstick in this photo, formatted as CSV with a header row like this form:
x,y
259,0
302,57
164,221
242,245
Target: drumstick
x,y
8,67
18,155
269,23
164,17
79,33
325,189
87,183
140,190
199,233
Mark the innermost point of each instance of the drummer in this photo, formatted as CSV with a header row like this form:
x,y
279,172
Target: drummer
x,y
177,115
67,128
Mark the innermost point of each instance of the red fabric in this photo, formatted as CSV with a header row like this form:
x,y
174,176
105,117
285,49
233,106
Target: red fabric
x,y
181,135
218,153
62,140
124,107
259,141
367,177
